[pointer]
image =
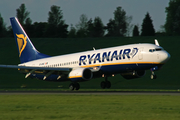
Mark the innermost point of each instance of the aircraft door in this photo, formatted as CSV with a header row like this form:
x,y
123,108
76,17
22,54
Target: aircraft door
x,y
140,55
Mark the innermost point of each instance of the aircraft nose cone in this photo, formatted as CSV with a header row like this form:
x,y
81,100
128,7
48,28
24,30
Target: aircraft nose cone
x,y
165,57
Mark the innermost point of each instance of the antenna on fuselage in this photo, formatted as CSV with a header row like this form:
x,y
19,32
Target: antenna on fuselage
x,y
156,42
94,49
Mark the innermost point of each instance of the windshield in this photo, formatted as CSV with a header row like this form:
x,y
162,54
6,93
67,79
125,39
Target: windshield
x,y
155,49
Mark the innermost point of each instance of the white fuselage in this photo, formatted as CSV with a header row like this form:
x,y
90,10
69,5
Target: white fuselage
x,y
121,55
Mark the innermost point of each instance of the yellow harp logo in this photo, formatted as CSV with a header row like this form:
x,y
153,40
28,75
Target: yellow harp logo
x,y
22,41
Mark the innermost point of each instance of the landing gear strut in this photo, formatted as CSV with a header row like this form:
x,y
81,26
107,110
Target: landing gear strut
x,y
105,84
74,86
153,75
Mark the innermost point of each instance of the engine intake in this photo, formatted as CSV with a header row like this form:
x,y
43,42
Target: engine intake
x,y
134,74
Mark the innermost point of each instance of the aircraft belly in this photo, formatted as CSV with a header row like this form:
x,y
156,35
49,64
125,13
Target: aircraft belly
x,y
125,68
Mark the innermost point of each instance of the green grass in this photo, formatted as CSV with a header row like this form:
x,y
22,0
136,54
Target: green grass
x,y
168,76
89,107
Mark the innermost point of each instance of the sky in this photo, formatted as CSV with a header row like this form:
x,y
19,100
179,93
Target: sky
x,y
72,9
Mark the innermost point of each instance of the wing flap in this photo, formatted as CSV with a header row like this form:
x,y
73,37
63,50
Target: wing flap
x,y
36,68
46,71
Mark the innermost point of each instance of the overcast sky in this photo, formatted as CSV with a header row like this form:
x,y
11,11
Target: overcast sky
x,y
72,9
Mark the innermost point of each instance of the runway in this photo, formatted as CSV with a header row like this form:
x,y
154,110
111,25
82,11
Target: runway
x,y
89,93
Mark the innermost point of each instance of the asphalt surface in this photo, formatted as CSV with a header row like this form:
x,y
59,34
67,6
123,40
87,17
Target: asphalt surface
x,y
89,93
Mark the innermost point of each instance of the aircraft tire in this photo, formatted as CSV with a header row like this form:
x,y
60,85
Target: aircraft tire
x,y
71,86
153,76
103,84
108,84
77,86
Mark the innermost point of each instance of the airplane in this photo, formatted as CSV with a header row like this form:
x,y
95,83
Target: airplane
x,y
131,61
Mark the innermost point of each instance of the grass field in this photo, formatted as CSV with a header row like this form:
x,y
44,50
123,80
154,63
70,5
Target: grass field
x,y
89,107
168,76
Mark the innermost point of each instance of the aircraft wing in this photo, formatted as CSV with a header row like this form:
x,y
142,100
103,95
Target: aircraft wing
x,y
36,68
46,71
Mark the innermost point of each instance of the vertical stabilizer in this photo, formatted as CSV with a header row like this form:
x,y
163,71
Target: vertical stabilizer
x,y
27,51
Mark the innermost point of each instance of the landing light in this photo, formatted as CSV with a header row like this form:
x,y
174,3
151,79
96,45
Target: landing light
x,y
95,68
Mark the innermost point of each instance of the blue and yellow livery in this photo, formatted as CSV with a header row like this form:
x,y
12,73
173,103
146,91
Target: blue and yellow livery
x,y
27,51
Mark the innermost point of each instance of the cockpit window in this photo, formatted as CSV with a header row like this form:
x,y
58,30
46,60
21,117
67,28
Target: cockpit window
x,y
151,50
156,49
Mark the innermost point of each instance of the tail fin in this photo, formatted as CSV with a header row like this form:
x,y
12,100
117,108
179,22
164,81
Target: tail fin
x,y
27,51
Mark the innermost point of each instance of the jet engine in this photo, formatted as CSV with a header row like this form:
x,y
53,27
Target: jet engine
x,y
134,74
80,74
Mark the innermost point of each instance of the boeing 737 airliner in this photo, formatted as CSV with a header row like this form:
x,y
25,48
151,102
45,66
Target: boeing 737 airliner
x,y
131,61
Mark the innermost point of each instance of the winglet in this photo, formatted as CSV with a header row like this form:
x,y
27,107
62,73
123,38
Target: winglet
x,y
156,42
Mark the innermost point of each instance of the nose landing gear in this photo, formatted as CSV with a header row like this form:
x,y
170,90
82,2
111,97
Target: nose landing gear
x,y
153,75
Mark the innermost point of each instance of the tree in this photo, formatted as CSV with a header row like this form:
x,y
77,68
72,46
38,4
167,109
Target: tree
x,y
135,31
111,27
176,23
29,27
56,24
72,32
172,25
62,30
10,31
90,29
39,29
2,27
22,14
118,25
82,26
147,26
129,25
98,27
120,21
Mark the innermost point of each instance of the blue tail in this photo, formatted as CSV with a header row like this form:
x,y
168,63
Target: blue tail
x,y
27,51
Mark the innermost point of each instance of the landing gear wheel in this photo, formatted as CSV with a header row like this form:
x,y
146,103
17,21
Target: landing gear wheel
x,y
74,86
153,76
108,84
71,86
103,84
77,86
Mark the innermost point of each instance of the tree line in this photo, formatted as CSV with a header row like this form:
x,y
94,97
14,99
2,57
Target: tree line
x,y
120,25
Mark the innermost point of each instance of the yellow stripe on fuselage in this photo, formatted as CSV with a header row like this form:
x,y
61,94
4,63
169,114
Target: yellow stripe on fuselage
x,y
120,63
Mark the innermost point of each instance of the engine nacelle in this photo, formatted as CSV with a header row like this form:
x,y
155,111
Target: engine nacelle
x,y
134,74
80,74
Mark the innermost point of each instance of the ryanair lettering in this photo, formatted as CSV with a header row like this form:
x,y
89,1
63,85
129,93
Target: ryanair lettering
x,y
107,56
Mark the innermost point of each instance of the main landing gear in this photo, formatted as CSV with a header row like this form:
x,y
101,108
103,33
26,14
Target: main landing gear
x,y
105,84
153,75
74,86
